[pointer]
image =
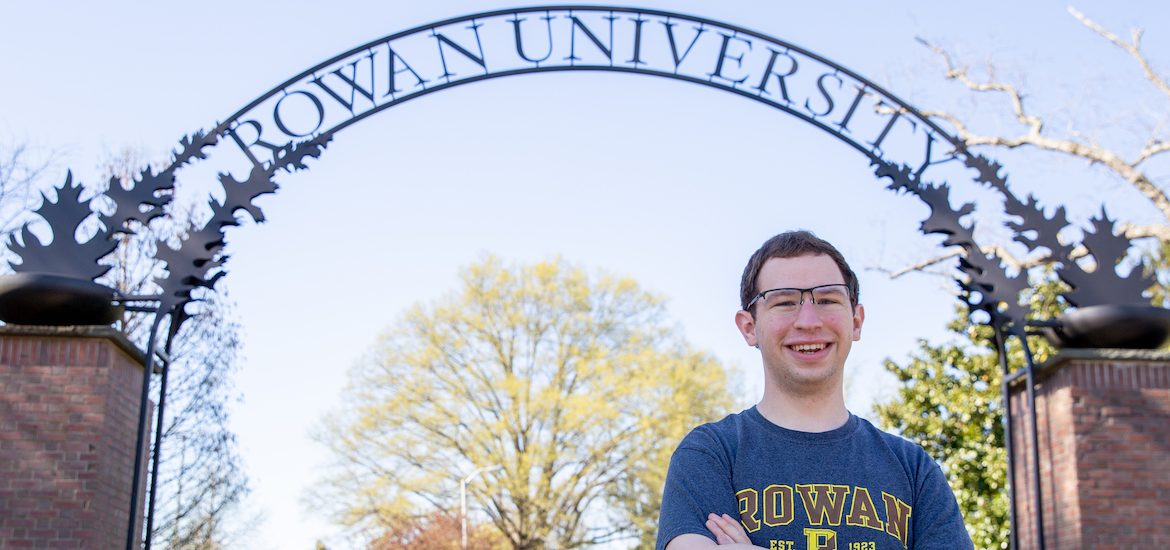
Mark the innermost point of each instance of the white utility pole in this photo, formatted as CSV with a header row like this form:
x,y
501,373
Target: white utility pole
x,y
463,498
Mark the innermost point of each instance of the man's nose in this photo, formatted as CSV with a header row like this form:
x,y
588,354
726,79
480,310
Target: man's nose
x,y
806,313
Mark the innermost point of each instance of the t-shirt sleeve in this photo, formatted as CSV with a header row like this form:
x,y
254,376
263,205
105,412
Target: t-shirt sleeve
x,y
698,483
937,522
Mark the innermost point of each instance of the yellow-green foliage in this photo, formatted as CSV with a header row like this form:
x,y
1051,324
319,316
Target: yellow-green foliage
x,y
573,383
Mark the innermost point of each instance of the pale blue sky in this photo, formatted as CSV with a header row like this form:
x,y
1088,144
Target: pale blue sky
x,y
667,182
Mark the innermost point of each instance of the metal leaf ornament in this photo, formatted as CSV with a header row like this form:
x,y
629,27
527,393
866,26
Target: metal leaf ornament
x,y
240,194
998,293
63,255
292,156
196,263
901,180
191,147
146,190
944,219
188,266
1103,285
987,287
199,260
1046,229
987,172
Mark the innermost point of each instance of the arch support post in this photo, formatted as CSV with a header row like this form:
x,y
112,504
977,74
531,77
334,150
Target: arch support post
x,y
68,410
1103,417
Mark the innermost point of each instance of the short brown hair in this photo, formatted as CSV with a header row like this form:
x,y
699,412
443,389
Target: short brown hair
x,y
790,245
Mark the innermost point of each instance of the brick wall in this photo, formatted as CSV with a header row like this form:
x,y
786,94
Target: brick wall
x,y
68,417
1104,430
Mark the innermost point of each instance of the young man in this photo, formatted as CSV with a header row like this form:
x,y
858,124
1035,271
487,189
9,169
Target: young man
x,y
798,471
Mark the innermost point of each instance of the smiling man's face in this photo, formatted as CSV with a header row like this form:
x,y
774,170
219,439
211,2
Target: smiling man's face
x,y
805,351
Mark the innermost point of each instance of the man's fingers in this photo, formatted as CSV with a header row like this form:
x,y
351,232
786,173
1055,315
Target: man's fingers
x,y
721,536
734,530
726,529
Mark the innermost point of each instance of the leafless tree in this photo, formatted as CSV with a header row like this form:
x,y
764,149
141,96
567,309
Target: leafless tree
x,y
1133,167
21,169
201,478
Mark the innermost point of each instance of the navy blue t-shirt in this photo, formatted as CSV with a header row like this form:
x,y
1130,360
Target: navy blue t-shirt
x,y
852,488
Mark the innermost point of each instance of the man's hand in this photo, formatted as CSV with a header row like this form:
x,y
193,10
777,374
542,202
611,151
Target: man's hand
x,y
727,530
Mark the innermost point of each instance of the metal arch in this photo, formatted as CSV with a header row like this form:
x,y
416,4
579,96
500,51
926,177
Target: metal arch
x,y
196,264
604,68
261,181
985,284
901,105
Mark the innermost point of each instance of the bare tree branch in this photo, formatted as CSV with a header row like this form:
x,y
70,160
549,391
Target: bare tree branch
x,y
19,175
1034,136
1133,48
921,266
1015,263
1035,124
1132,231
1153,149
1008,259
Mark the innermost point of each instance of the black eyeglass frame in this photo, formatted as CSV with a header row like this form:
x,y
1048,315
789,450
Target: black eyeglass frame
x,y
813,297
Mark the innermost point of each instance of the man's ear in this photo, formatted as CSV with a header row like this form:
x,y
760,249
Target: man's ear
x,y
858,319
747,327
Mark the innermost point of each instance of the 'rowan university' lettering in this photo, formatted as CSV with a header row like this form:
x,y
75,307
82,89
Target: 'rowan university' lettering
x,y
823,506
399,67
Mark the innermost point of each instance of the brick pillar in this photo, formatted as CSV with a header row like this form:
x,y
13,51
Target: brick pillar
x,y
69,401
1104,431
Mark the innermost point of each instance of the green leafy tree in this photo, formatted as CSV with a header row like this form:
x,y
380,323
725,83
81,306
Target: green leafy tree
x,y
950,398
950,401
573,385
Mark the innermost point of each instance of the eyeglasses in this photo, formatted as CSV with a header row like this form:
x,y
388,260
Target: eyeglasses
x,y
832,298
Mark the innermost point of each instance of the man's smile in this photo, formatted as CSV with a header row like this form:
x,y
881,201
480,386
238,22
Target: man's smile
x,y
808,348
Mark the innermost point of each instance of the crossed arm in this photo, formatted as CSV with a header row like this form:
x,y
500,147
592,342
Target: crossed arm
x,y
729,535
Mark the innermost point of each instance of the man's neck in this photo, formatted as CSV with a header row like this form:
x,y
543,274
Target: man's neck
x,y
812,413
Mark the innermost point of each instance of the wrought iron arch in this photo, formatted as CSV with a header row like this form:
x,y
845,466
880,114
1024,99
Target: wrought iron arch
x,y
295,121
